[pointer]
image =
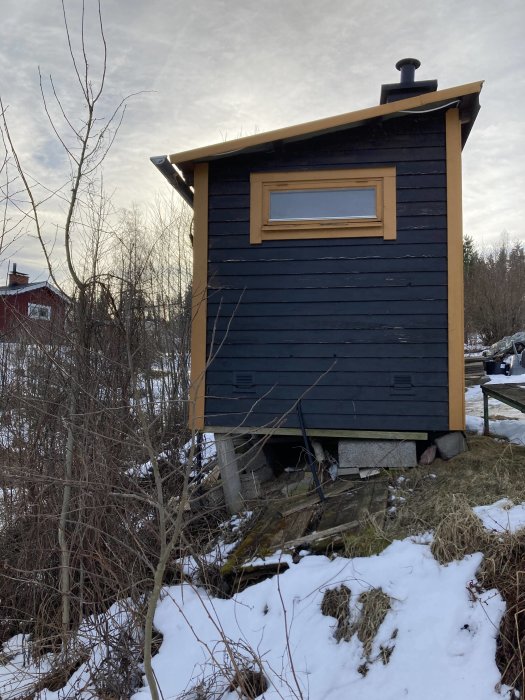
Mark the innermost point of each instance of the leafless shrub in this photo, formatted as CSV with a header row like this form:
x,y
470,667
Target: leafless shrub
x,y
239,671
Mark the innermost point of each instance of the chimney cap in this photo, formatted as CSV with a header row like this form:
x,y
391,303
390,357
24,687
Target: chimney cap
x,y
407,86
408,62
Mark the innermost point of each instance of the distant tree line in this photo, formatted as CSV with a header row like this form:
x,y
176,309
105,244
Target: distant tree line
x,y
494,290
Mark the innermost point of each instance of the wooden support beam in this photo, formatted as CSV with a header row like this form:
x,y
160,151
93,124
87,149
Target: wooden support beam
x,y
485,413
230,477
312,432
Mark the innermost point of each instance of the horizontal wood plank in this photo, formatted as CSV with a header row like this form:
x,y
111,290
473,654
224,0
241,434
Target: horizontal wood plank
x,y
334,280
404,181
333,420
402,354
341,252
292,336
328,322
346,300
352,376
317,392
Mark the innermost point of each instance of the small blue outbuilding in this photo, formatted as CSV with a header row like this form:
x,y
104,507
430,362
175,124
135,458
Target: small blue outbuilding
x,y
328,269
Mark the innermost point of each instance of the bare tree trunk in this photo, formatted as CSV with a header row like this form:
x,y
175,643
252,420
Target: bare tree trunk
x,y
65,574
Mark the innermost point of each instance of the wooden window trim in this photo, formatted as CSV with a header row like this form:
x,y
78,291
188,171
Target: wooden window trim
x,y
383,180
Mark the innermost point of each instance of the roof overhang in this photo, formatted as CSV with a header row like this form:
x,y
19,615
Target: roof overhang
x,y
466,97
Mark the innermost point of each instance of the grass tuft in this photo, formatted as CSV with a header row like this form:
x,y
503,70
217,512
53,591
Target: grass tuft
x,y
375,606
336,603
368,540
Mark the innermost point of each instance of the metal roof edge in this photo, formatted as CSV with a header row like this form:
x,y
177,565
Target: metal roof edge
x,y
186,158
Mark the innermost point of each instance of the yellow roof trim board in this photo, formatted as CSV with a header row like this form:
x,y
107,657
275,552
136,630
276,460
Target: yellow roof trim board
x,y
186,159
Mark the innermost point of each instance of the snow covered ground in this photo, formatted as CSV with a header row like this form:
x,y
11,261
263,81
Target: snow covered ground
x,y
439,635
437,639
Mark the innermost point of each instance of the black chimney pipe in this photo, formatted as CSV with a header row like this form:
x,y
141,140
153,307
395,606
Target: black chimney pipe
x,y
407,67
407,86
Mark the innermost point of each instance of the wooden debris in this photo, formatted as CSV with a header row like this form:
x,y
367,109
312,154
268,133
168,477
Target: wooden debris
x,y
307,523
320,535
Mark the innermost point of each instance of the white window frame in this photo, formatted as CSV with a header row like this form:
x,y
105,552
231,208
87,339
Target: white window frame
x,y
34,311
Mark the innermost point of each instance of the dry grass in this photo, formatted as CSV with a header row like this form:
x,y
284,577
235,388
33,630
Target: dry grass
x,y
240,673
368,540
488,471
375,605
440,498
336,603
249,683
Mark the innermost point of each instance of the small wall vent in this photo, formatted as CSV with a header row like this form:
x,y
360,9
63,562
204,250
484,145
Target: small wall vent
x,y
243,383
402,384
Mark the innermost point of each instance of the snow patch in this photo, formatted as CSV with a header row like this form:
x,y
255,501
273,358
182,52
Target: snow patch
x,y
502,516
442,638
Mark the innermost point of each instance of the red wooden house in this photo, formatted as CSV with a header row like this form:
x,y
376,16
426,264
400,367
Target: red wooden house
x,y
31,310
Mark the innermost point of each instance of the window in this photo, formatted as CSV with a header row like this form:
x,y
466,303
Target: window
x,y
39,311
323,204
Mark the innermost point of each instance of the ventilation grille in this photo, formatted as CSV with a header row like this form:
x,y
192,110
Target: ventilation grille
x,y
402,384
243,383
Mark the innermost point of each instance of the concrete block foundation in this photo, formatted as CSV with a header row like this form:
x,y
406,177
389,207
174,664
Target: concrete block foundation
x,y
379,454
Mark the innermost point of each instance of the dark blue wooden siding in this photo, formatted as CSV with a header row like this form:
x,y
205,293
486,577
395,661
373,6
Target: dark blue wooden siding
x,y
339,322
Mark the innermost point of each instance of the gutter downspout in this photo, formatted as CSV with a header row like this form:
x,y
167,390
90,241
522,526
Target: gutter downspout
x,y
162,163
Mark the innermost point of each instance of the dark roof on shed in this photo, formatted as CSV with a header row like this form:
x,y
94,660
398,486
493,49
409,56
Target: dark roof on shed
x,y
466,96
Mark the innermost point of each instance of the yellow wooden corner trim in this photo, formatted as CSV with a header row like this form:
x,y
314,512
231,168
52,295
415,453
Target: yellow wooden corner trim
x,y
325,124
383,179
199,298
456,365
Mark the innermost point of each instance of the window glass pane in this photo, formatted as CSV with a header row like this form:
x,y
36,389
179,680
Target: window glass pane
x,y
298,205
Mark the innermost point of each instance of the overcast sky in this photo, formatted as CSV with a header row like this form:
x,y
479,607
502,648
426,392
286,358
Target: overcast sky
x,y
207,70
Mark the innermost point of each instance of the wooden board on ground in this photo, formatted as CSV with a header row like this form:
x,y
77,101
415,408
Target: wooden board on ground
x,y
330,490
366,498
344,509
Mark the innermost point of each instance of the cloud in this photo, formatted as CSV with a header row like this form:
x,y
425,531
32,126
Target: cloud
x,y
209,69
